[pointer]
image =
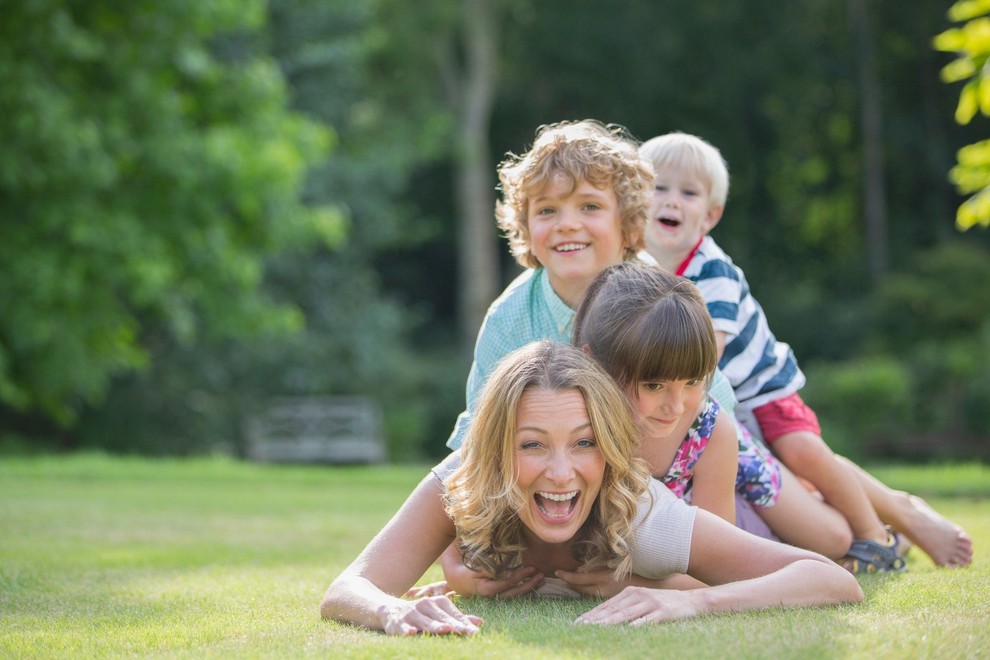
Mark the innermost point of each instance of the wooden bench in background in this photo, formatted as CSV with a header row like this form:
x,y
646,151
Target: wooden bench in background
x,y
317,430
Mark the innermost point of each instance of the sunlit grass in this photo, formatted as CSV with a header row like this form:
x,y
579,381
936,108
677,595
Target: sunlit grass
x,y
945,479
107,556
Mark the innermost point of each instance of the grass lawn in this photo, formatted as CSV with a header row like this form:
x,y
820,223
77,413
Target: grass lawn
x,y
105,556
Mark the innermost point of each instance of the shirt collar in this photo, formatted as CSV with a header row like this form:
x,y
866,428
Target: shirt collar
x,y
684,264
562,315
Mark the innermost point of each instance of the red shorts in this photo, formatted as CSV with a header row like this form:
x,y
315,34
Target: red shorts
x,y
784,416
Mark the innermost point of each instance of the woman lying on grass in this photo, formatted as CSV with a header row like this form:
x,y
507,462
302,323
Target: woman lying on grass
x,y
547,479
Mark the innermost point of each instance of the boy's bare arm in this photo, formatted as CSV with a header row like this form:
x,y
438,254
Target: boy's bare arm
x,y
720,340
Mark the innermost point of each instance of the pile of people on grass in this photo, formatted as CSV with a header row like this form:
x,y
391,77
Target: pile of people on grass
x,y
633,429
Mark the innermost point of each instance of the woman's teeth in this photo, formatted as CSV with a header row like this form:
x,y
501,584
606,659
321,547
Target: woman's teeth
x,y
558,497
556,505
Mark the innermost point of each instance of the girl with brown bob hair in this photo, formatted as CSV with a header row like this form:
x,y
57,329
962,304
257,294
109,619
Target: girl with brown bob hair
x,y
650,329
647,325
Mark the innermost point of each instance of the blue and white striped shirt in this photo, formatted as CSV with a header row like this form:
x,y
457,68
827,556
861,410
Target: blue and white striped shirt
x,y
760,368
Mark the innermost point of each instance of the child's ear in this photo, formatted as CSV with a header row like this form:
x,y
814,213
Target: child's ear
x,y
635,236
712,217
587,350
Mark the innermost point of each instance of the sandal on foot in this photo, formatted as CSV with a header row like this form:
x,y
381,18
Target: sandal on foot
x,y
867,556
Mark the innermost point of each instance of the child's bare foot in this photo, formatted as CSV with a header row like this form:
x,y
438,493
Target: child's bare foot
x,y
941,539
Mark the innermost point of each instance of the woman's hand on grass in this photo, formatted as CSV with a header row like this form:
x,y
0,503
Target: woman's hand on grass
x,y
436,615
601,584
639,605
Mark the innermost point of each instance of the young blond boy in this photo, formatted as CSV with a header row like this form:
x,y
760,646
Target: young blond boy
x,y
690,190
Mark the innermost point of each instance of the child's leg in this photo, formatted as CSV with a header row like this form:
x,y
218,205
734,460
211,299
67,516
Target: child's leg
x,y
941,539
801,519
791,430
810,458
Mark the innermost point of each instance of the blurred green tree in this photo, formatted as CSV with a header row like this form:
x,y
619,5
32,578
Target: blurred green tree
x,y
917,387
439,60
777,86
353,65
145,175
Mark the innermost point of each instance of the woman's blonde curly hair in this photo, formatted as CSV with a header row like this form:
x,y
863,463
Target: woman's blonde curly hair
x,y
603,155
482,495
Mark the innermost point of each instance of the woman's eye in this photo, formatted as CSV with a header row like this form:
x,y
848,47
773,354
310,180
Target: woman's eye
x,y
586,442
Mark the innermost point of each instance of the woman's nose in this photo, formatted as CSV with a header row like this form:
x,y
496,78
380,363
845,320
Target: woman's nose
x,y
560,468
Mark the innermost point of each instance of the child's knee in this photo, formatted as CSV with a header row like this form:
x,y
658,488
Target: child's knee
x,y
839,539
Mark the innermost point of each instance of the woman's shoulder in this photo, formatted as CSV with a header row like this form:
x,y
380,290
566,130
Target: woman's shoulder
x,y
446,467
664,526
659,501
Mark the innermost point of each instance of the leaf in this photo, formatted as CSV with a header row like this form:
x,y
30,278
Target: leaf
x,y
952,40
967,103
977,36
974,211
965,10
958,69
984,96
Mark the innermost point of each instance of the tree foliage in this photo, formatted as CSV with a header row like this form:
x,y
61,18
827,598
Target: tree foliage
x,y
145,175
971,44
151,178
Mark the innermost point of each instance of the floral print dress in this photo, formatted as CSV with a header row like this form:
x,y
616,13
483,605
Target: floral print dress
x,y
757,476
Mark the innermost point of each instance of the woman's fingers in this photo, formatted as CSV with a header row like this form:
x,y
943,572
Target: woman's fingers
x,y
519,582
613,611
433,589
593,583
639,605
526,586
433,614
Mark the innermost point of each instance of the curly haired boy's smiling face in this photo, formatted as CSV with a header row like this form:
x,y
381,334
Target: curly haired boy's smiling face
x,y
575,234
